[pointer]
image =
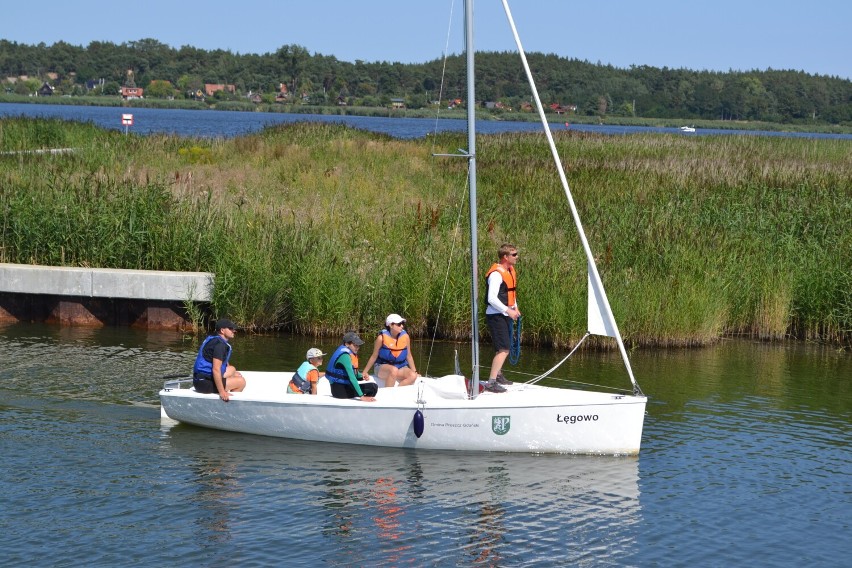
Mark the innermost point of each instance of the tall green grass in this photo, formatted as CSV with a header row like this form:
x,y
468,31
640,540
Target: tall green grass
x,y
319,228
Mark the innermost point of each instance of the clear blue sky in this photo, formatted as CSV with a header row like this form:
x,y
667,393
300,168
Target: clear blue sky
x,y
717,35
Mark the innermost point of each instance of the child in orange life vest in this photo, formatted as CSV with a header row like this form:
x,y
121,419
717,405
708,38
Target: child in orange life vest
x,y
392,354
305,378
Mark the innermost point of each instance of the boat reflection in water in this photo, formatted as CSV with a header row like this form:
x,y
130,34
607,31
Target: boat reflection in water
x,y
382,505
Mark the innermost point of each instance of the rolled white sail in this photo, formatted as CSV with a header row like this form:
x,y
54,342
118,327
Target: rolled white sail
x,y
598,321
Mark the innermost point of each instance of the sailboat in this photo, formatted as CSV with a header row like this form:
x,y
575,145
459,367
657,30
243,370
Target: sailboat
x,y
442,413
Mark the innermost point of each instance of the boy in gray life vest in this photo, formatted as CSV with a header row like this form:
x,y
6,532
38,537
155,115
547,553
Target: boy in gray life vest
x,y
306,376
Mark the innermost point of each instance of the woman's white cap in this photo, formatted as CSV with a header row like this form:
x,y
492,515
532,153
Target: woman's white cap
x,y
394,318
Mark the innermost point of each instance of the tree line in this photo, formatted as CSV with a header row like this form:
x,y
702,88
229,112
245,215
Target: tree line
x,y
101,68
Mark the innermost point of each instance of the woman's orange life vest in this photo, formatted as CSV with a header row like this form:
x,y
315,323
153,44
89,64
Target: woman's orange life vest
x,y
394,351
509,285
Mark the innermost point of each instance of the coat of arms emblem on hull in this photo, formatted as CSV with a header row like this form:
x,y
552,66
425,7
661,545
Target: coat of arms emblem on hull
x,y
500,424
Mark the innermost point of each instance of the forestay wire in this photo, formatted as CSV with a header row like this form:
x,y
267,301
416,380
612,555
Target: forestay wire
x,y
594,275
443,74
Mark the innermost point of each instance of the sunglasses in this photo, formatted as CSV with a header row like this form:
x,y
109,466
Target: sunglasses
x,y
513,254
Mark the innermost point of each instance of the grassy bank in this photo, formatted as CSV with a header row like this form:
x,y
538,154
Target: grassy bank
x,y
316,228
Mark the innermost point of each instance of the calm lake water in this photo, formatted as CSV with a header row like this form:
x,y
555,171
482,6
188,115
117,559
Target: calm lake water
x,y
227,124
745,460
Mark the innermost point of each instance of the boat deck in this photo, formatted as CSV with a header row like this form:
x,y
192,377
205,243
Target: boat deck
x,y
448,391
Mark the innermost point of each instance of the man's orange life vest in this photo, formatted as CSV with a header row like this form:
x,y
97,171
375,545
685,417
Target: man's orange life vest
x,y
509,285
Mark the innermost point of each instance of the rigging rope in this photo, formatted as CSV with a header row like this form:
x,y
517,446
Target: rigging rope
x,y
456,232
548,372
515,348
458,217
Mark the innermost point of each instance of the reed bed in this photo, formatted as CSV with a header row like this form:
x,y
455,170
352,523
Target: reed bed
x,y
320,228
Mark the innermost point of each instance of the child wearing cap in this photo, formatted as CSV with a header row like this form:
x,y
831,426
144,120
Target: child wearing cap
x,y
344,378
305,378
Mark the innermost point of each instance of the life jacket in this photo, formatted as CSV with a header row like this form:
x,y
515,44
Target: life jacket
x,y
299,380
508,286
337,374
394,351
204,367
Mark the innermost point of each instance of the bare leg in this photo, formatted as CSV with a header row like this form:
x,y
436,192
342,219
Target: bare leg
x,y
388,375
234,380
497,364
406,376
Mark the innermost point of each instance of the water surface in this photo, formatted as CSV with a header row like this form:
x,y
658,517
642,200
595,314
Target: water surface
x,y
745,460
222,123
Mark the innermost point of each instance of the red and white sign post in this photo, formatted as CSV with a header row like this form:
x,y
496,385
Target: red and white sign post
x,y
127,121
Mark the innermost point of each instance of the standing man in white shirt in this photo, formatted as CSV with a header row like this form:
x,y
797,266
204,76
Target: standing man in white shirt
x,y
501,311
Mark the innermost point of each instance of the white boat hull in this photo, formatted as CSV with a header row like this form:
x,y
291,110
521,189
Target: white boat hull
x,y
527,418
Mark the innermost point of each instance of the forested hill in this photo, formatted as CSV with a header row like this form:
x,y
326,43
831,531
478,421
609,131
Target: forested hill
x,y
783,96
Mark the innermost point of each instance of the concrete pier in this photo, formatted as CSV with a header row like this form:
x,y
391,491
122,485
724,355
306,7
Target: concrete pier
x,y
100,296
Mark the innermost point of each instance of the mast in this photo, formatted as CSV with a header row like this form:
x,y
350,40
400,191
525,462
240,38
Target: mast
x,y
471,158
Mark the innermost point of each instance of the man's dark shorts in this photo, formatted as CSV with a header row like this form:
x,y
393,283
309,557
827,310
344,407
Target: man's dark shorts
x,y
205,385
501,331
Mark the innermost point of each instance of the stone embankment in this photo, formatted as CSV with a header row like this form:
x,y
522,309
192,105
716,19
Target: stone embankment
x,y
100,296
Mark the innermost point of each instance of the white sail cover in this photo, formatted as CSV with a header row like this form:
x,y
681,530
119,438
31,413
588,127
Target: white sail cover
x,y
599,323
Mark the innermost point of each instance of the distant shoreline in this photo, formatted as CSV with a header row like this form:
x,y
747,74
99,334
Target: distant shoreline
x,y
245,106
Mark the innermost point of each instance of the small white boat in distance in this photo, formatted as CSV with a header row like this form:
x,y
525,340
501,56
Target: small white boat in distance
x,y
687,129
